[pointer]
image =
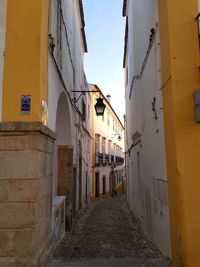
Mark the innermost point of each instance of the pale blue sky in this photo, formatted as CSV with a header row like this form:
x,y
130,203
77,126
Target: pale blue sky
x,y
105,39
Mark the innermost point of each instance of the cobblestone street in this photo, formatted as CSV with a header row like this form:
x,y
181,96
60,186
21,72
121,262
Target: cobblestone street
x,y
107,235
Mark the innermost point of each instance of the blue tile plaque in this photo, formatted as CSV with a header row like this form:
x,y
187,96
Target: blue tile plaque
x,y
25,104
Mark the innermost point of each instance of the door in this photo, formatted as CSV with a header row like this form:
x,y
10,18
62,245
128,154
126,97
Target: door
x,y
86,188
80,183
97,184
104,185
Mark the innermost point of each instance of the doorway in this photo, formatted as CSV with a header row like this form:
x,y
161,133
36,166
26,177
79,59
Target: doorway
x,y
104,185
86,188
97,184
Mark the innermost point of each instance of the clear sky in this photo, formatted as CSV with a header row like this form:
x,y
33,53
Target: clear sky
x,y
105,40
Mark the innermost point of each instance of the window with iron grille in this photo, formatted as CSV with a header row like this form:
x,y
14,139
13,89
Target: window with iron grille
x,y
103,145
97,143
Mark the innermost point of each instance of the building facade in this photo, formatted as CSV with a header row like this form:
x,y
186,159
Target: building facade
x,y
162,75
107,150
72,121
45,136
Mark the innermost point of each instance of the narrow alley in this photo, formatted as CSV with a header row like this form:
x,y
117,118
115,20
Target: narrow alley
x,y
107,235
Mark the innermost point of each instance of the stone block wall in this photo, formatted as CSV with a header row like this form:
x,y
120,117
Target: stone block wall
x,y
26,160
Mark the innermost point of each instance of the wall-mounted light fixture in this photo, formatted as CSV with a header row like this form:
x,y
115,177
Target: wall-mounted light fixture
x,y
119,136
99,106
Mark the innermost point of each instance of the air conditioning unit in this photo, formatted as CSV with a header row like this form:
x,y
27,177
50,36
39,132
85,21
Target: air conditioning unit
x,y
58,219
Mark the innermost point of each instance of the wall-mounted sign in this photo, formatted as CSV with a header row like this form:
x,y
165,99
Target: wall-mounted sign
x,y
25,104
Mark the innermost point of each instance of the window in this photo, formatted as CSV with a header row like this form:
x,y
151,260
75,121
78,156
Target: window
x,y
108,118
97,143
103,145
109,146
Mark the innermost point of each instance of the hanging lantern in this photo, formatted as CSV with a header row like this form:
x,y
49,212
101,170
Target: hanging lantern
x,y
99,107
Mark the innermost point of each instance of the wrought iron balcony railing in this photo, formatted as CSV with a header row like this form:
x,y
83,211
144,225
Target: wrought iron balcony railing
x,y
107,159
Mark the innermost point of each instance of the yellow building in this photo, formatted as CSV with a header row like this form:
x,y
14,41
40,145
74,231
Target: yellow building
x,y
168,79
107,149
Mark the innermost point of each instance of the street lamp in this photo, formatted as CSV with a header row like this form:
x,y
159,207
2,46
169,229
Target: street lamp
x,y
99,107
119,136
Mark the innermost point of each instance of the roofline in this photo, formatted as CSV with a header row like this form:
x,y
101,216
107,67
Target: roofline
x,y
83,26
108,104
125,43
124,8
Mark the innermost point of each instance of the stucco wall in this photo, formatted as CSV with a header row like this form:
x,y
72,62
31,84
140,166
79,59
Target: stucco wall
x,y
110,128
146,161
63,116
3,8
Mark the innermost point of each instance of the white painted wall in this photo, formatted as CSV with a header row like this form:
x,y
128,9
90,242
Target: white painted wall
x,y
72,66
107,131
3,13
147,193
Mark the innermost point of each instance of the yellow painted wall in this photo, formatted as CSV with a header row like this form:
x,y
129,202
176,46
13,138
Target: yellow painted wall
x,y
26,58
180,75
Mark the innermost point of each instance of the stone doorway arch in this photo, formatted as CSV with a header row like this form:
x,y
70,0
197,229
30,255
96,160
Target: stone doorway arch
x,y
63,159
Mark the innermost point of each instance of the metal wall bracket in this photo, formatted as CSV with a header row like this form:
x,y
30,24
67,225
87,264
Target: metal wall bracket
x,y
75,100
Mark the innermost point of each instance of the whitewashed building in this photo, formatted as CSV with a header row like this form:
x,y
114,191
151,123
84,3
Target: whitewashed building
x,y
68,111
107,149
147,184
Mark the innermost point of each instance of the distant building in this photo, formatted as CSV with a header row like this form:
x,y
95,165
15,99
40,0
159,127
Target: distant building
x,y
107,150
161,62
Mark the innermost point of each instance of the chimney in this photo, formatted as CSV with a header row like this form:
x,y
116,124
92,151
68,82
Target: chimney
x,y
108,98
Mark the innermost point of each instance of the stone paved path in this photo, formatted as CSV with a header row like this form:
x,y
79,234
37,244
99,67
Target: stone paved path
x,y
107,235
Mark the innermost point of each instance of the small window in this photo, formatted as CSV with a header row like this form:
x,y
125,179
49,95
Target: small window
x,y
108,118
97,143
103,145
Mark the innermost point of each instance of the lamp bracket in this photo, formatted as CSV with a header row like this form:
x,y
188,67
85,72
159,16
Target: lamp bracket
x,y
75,100
119,136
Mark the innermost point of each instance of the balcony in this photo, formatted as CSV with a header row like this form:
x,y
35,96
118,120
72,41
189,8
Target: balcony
x,y
112,159
102,159
119,161
107,157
